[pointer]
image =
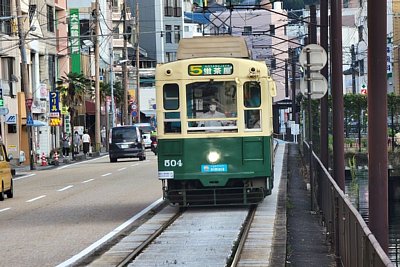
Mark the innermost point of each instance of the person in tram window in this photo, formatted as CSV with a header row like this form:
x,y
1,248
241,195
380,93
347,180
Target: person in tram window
x,y
212,113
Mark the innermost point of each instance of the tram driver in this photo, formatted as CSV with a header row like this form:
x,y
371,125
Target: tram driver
x,y
212,113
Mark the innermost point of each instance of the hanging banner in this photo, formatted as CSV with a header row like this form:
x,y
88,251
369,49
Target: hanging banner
x,y
74,29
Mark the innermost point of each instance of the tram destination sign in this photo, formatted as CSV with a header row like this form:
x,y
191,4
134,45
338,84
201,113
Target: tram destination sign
x,y
210,69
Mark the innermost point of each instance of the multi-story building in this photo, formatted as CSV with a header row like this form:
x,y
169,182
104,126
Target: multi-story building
x,y
265,34
162,29
45,56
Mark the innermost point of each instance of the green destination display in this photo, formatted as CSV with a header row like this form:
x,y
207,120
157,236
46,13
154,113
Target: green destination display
x,y
210,69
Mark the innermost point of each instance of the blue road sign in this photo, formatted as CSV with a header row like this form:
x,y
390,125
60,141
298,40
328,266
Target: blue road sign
x,y
134,113
29,120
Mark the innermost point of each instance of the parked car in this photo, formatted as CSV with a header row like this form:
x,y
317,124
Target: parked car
x,y
126,142
6,181
146,130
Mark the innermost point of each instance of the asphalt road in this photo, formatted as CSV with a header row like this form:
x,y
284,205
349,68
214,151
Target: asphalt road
x,y
55,214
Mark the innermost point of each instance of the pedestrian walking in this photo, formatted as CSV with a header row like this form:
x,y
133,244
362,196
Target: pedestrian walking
x,y
103,133
77,142
86,142
65,145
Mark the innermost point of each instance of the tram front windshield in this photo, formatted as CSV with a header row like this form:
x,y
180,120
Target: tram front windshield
x,y
211,106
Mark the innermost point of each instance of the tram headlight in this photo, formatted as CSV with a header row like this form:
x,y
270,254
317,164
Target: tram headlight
x,y
213,156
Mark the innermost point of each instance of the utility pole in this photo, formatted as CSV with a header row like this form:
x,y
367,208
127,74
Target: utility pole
x,y
286,78
337,93
25,82
112,88
97,78
125,68
377,124
353,69
137,60
292,54
324,100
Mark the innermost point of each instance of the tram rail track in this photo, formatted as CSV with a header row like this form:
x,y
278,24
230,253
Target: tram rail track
x,y
131,256
243,237
245,234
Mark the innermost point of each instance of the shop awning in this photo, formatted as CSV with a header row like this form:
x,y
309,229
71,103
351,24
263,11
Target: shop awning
x,y
90,108
148,113
37,123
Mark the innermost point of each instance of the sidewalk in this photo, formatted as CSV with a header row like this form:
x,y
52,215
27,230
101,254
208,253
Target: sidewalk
x,y
307,244
23,168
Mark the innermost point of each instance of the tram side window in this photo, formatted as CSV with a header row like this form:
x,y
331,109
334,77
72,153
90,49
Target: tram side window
x,y
171,96
172,120
252,104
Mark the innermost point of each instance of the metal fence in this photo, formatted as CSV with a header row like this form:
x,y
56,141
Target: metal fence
x,y
350,237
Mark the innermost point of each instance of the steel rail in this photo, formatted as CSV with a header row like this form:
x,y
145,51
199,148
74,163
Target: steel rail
x,y
235,257
131,256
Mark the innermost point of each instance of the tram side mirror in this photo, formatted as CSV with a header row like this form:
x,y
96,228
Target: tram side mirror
x,y
272,87
10,157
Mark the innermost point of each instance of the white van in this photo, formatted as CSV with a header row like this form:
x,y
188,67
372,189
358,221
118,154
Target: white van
x,y
146,130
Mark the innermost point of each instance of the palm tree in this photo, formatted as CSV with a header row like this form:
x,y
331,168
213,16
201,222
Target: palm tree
x,y
73,88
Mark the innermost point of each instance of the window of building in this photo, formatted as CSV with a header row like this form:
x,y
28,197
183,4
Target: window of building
x,y
177,33
5,11
272,29
117,56
273,63
170,56
51,69
116,33
7,66
168,34
168,8
115,5
360,33
50,18
247,30
361,66
177,8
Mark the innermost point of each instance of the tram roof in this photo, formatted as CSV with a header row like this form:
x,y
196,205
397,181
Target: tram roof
x,y
213,46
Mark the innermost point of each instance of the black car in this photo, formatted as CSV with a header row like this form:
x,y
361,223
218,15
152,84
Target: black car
x,y
126,142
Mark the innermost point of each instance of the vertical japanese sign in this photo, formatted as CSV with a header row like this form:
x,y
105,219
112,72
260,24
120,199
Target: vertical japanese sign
x,y
74,29
54,102
54,115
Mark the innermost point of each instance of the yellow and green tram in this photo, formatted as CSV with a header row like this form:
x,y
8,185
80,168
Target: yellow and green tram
x,y
214,117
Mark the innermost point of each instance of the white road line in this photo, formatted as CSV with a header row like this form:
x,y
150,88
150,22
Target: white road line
x,y
80,162
87,181
4,209
36,198
133,165
122,169
107,237
106,174
65,188
24,177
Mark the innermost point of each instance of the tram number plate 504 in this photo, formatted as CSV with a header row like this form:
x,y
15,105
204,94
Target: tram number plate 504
x,y
173,163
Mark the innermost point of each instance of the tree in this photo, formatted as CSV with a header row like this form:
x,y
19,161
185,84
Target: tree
x,y
73,88
393,102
